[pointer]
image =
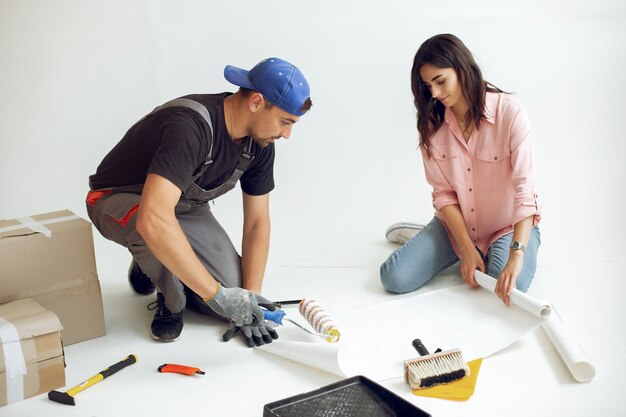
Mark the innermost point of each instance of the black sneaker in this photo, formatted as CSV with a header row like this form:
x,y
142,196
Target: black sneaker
x,y
166,326
139,282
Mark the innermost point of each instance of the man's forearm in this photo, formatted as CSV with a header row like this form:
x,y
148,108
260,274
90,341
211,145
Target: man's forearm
x,y
159,227
254,251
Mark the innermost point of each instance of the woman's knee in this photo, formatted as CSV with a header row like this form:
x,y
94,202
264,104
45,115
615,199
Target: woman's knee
x,y
415,263
523,282
398,281
524,279
499,256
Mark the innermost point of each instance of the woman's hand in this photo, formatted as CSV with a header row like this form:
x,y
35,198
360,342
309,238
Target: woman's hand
x,y
508,276
471,261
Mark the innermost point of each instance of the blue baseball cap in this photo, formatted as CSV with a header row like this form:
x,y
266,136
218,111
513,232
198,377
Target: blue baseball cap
x,y
280,82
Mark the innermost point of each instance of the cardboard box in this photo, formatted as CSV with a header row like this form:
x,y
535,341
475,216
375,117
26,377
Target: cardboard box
x,y
50,258
31,359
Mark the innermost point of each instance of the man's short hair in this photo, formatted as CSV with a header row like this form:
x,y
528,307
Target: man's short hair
x,y
246,92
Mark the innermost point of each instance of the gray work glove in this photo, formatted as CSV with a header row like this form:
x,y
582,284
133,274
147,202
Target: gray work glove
x,y
254,334
239,306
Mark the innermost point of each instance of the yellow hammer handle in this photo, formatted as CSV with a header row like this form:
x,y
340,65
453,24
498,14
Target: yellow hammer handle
x,y
85,384
129,360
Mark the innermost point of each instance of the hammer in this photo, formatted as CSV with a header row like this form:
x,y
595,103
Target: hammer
x,y
68,397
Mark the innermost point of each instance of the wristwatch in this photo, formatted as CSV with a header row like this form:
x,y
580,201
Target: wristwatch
x,y
515,245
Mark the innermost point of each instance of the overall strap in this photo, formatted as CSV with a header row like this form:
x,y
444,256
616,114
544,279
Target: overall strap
x,y
198,108
178,102
246,156
197,195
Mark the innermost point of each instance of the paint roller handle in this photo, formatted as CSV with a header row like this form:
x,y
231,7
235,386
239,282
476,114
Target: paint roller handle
x,y
129,360
279,304
276,316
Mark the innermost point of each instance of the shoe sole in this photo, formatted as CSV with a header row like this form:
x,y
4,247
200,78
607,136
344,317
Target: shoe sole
x,y
401,225
158,339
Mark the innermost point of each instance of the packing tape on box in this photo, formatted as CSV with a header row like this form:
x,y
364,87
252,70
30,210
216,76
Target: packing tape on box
x,y
13,361
36,226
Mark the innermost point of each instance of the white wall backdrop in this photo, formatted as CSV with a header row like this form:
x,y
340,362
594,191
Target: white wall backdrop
x,y
74,75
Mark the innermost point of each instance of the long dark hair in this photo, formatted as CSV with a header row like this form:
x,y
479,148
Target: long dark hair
x,y
447,51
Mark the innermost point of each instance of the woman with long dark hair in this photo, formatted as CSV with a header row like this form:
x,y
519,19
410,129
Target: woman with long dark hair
x,y
477,152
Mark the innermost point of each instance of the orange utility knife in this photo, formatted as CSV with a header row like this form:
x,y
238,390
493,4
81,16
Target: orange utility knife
x,y
180,369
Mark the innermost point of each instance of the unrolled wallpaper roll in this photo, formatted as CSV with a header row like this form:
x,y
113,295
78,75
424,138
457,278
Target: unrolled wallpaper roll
x,y
479,324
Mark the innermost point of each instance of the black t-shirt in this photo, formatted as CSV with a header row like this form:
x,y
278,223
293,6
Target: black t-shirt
x,y
173,143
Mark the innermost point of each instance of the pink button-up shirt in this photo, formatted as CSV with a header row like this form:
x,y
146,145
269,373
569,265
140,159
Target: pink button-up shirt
x,y
491,176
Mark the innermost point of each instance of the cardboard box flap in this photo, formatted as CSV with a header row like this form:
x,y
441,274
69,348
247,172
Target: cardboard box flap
x,y
50,258
40,378
57,257
28,334
29,318
45,224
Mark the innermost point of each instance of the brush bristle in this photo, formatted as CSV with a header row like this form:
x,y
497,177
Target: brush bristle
x,y
435,369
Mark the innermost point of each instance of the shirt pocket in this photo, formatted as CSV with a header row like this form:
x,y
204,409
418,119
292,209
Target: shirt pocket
x,y
448,160
493,168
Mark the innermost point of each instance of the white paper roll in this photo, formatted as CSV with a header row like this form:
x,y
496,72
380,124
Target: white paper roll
x,y
575,359
572,354
524,301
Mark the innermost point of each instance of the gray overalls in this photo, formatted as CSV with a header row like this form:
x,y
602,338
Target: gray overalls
x,y
113,214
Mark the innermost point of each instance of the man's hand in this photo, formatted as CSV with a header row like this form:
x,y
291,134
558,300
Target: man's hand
x,y
239,306
255,335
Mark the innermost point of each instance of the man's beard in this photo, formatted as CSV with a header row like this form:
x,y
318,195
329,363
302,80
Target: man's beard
x,y
264,142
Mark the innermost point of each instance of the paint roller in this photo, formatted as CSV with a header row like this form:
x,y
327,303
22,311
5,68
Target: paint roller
x,y
313,313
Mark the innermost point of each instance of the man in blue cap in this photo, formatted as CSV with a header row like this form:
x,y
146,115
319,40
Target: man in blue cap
x,y
151,193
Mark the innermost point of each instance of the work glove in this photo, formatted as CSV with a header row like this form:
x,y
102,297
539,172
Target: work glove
x,y
239,306
253,334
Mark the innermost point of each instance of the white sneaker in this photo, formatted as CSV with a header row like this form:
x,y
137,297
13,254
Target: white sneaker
x,y
403,232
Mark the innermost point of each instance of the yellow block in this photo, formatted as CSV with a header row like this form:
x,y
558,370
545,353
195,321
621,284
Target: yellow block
x,y
460,390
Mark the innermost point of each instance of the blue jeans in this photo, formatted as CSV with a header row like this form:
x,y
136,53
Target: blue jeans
x,y
430,252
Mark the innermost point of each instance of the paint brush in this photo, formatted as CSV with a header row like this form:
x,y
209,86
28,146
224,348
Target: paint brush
x,y
434,369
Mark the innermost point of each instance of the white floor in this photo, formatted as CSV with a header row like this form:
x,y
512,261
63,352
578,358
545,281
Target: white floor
x,y
528,378
75,78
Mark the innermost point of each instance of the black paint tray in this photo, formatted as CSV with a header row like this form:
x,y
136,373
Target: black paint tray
x,y
357,396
